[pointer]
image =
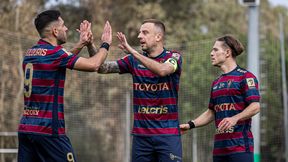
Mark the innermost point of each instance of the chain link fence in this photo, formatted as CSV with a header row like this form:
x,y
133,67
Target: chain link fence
x,y
98,107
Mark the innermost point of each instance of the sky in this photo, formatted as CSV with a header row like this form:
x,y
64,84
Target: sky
x,y
279,2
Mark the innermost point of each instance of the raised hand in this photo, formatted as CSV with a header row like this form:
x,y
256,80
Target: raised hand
x,y
107,33
85,39
86,35
124,44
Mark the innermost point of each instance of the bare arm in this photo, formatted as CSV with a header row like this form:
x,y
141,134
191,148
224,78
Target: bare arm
x,y
109,67
247,113
92,50
93,63
161,69
77,48
202,120
205,118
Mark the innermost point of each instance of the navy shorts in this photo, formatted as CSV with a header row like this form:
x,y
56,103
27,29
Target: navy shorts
x,y
239,157
156,149
41,148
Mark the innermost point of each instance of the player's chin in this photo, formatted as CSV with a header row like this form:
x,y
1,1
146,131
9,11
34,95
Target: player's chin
x,y
63,41
214,64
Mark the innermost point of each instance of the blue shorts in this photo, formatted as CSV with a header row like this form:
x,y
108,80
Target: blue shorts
x,y
156,149
239,157
44,148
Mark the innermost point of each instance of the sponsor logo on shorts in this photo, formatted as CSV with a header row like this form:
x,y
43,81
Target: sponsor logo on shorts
x,y
174,157
230,130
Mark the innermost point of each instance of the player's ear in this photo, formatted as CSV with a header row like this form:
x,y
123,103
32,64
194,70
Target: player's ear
x,y
228,52
159,36
54,31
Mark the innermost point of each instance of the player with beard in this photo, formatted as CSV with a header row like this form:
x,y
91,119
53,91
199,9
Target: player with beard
x,y
41,131
155,73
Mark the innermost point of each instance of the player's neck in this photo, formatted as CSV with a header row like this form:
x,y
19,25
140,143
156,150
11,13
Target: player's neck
x,y
51,41
228,66
156,51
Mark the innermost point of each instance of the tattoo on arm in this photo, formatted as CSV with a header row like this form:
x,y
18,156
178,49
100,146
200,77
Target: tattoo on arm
x,y
109,67
92,50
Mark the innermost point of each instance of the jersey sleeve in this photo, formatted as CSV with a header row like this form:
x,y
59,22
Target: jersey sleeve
x,y
66,59
125,64
211,103
177,57
251,88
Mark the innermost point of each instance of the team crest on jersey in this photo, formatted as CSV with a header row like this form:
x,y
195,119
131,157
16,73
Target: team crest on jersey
x,y
229,82
250,82
68,53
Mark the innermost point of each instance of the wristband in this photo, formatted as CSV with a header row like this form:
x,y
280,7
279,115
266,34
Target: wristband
x,y
105,45
191,124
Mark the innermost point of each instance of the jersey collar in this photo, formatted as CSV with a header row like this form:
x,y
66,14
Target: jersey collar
x,y
159,56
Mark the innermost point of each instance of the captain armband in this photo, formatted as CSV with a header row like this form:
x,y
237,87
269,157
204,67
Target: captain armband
x,y
191,124
173,62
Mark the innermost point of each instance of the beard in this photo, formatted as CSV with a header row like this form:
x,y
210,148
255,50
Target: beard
x,y
148,49
61,39
60,42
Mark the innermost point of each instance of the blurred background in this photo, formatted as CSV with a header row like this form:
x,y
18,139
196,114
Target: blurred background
x,y
98,107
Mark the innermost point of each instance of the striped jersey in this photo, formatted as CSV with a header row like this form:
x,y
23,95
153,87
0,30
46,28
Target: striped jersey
x,y
231,93
44,67
155,104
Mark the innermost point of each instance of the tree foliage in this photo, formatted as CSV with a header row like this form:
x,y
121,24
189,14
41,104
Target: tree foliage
x,y
95,104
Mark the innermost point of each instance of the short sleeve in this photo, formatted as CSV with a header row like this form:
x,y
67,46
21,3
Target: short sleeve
x,y
250,88
177,56
66,59
125,64
211,102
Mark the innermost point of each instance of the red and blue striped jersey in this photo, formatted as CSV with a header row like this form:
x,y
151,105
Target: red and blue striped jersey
x,y
44,67
155,104
231,93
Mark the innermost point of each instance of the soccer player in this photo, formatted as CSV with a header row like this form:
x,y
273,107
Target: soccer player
x,y
234,100
156,73
42,129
